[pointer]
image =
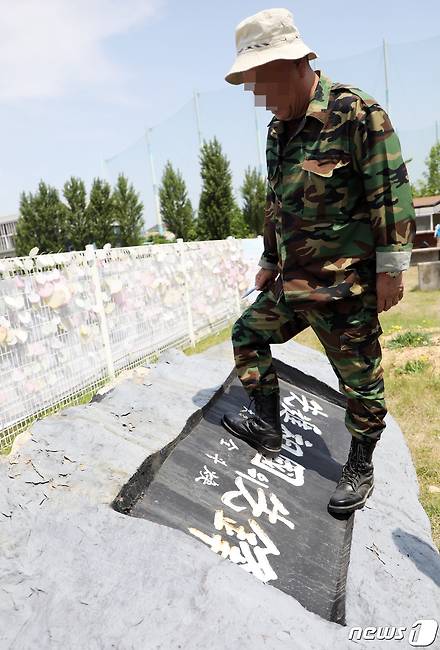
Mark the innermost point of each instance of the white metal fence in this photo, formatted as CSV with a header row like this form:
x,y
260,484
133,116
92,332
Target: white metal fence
x,y
71,321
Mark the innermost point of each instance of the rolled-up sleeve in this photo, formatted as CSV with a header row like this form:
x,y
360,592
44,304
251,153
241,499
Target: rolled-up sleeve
x,y
387,189
269,257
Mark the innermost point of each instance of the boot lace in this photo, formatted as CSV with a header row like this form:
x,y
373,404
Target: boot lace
x,y
247,411
350,475
355,465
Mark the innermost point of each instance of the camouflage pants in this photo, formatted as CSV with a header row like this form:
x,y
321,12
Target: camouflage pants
x,y
348,330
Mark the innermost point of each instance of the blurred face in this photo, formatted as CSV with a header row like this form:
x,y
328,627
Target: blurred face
x,y
282,86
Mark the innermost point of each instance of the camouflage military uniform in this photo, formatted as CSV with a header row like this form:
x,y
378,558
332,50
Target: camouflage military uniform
x,y
339,210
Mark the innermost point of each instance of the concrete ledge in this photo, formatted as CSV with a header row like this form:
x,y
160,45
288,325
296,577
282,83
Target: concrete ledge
x,y
77,574
429,275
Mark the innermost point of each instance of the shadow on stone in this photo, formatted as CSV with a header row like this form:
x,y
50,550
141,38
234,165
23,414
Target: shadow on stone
x,y
426,558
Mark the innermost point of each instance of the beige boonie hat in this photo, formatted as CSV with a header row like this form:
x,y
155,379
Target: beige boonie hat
x,y
263,37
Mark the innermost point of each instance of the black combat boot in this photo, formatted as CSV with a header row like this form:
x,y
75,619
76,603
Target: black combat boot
x,y
261,430
356,482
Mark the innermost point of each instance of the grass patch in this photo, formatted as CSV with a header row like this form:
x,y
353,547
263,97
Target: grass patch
x,y
409,339
209,341
412,385
413,366
4,451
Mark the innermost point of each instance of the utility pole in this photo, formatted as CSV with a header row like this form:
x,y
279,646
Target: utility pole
x,y
436,132
257,133
197,112
104,169
153,179
385,66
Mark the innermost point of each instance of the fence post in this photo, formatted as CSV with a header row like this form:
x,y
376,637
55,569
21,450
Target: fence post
x,y
237,245
181,252
90,255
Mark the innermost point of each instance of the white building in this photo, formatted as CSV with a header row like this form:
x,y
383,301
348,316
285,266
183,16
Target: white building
x,y
427,209
8,229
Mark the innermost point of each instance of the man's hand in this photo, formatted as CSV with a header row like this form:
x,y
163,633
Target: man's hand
x,y
263,277
389,291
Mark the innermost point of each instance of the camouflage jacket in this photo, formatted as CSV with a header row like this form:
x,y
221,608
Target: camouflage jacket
x,y
339,206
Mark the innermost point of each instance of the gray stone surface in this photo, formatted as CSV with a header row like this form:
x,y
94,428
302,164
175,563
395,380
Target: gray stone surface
x,y
76,574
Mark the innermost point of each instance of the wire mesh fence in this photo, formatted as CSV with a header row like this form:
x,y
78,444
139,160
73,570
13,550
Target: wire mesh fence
x,y
69,322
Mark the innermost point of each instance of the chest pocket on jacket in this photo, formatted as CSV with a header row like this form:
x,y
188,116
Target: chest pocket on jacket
x,y
325,188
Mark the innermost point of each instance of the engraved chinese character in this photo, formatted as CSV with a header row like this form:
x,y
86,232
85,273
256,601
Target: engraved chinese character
x,y
306,404
217,460
294,441
288,414
284,468
259,506
207,476
252,550
230,444
255,477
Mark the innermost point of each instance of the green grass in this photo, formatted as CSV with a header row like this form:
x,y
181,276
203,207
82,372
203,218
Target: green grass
x,y
409,339
416,309
209,341
4,451
413,398
413,366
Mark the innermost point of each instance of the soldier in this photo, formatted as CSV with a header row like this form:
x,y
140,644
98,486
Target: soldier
x,y
338,232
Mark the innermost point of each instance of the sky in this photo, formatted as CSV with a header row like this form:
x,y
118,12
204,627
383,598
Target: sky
x,y
82,81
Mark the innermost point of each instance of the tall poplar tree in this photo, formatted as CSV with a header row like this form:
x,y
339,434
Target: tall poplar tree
x,y
239,227
217,205
101,214
78,226
175,206
42,222
127,213
253,192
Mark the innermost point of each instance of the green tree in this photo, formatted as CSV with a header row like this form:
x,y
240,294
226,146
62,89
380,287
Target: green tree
x,y
253,192
78,224
239,227
217,205
193,229
42,222
127,213
157,239
101,214
431,184
175,206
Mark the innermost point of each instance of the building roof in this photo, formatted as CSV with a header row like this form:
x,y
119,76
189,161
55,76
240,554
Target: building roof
x,y
155,228
9,218
426,201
